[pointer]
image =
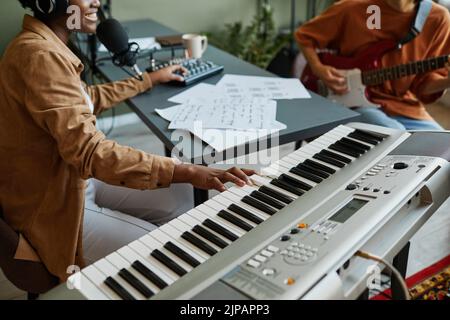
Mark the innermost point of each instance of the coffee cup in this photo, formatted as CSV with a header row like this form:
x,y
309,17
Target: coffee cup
x,y
195,45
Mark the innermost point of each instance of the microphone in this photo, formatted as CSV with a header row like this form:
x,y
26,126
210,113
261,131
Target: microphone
x,y
114,37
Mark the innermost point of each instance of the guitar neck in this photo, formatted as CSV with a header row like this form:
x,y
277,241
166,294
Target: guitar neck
x,y
377,77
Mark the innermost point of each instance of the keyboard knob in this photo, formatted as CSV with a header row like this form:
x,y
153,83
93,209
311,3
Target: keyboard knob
x,y
400,166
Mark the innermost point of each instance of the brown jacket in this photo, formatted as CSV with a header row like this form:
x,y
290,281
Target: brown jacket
x,y
49,145
343,28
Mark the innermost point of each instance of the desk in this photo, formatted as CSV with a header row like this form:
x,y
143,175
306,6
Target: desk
x,y
305,118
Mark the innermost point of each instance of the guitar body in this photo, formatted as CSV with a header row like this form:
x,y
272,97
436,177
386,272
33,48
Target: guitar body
x,y
358,95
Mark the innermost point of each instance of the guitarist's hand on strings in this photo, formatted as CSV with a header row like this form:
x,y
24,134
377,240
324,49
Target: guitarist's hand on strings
x,y
332,77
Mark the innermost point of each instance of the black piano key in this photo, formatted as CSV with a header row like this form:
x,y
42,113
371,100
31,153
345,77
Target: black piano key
x,y
336,156
305,174
180,253
149,274
202,245
285,186
352,147
369,135
359,137
344,150
319,166
118,289
259,205
235,220
275,194
220,230
329,160
356,143
210,236
295,182
267,200
245,214
136,283
312,170
165,260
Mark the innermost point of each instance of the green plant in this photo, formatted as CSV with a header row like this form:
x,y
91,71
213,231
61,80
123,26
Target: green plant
x,y
257,43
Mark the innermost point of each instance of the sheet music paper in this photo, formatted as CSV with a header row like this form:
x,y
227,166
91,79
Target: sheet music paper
x,y
227,113
238,86
202,91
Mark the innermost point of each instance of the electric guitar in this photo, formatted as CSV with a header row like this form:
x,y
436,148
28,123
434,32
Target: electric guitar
x,y
364,71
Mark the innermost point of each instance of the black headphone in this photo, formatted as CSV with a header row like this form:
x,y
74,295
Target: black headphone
x,y
51,7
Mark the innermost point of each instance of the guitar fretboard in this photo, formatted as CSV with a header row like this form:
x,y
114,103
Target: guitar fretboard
x,y
376,77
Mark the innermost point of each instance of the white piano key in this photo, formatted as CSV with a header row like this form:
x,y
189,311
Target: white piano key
x,y
121,263
98,279
131,256
145,252
180,225
154,244
168,234
86,287
111,271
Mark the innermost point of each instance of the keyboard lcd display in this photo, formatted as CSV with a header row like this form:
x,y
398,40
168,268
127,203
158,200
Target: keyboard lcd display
x,y
348,210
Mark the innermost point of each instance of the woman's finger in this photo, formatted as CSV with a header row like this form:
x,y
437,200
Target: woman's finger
x,y
218,185
228,177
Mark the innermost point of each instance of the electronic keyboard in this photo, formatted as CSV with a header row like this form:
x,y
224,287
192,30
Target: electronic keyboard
x,y
291,234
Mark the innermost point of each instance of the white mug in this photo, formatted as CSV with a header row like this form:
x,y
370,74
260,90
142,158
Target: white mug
x,y
195,45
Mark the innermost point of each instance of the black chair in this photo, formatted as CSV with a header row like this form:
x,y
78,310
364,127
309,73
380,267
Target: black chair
x,y
32,277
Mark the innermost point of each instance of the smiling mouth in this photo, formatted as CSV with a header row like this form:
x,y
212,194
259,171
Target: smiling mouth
x,y
92,17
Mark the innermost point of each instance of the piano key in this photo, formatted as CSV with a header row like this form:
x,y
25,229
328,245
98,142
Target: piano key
x,y
136,283
356,143
201,217
344,150
149,274
98,279
232,229
312,170
262,181
288,187
183,255
205,233
365,139
191,226
87,288
291,161
267,200
275,194
154,244
336,156
136,280
169,263
369,135
132,257
118,289
170,234
245,214
144,251
220,230
329,160
304,174
351,147
284,173
199,243
235,220
236,194
320,166
259,205
111,272
297,183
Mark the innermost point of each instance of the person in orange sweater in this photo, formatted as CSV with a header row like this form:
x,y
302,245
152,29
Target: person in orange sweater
x,y
343,27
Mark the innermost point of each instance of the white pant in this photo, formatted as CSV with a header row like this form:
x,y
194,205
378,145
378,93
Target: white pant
x,y
116,216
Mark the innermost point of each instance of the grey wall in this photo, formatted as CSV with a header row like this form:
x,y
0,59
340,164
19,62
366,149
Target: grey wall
x,y
183,15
